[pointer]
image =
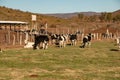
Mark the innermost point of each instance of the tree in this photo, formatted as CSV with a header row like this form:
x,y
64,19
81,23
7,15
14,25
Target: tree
x,y
93,18
81,16
107,17
102,17
116,18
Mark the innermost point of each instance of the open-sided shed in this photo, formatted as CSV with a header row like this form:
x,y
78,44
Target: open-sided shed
x,y
13,25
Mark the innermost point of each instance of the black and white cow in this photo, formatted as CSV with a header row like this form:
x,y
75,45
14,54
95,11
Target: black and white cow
x,y
44,39
73,39
54,38
86,41
62,40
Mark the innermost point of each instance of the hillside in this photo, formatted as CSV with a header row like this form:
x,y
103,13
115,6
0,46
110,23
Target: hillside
x,y
15,14
18,15
11,14
66,20
116,12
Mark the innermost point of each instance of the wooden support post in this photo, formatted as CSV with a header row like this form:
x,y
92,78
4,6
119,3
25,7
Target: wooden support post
x,y
97,35
20,39
13,39
8,37
82,36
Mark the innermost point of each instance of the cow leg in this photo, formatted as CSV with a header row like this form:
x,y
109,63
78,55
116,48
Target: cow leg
x,y
84,45
89,43
53,41
38,46
64,44
34,46
119,46
72,43
75,42
45,45
60,44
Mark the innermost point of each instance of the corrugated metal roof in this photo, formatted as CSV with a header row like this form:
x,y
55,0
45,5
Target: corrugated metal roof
x,y
13,22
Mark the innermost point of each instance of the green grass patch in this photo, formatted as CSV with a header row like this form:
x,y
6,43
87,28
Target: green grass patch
x,y
99,62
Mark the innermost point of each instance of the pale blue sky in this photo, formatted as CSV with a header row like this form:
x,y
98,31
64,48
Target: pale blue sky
x,y
62,6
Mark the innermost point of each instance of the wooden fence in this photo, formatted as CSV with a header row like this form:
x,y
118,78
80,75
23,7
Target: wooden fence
x,y
13,38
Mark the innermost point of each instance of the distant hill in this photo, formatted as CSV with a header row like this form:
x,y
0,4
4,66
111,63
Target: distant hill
x,y
63,15
116,12
90,13
70,15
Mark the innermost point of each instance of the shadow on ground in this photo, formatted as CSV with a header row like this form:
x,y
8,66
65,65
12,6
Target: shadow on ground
x,y
114,50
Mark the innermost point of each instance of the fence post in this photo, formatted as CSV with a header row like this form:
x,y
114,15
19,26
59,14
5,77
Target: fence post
x,y
8,37
82,36
100,36
13,39
20,39
97,36
17,36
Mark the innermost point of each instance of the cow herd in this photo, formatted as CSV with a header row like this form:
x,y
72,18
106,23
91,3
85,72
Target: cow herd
x,y
60,40
41,41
